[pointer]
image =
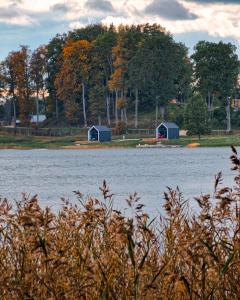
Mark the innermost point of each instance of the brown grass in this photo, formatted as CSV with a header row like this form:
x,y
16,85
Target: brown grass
x,y
92,251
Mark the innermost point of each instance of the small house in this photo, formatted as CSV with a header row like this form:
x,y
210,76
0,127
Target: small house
x,y
38,118
167,130
100,134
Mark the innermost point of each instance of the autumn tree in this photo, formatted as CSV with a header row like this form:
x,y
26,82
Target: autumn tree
x,y
127,41
38,72
23,80
16,72
74,73
8,84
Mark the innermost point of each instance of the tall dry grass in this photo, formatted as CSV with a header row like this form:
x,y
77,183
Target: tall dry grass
x,y
92,251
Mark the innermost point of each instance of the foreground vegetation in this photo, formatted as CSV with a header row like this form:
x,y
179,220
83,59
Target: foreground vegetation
x,y
92,251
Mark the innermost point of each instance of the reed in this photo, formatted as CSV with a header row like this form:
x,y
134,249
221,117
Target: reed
x,y
93,251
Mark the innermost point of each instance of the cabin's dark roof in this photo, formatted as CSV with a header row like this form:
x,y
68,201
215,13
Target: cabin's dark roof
x,y
169,125
101,128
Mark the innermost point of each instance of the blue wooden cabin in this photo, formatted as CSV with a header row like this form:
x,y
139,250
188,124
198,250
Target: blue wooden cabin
x,y
167,130
100,134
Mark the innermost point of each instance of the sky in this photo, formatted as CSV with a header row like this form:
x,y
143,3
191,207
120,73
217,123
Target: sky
x,y
35,22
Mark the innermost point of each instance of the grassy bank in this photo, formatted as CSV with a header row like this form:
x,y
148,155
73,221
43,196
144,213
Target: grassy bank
x,y
16,142
207,141
19,142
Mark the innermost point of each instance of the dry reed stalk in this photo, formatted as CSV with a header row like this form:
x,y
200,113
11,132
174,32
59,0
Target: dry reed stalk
x,y
92,251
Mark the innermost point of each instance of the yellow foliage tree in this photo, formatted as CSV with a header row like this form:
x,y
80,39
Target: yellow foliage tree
x,y
74,74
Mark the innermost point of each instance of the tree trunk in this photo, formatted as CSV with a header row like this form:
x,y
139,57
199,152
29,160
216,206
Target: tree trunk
x,y
56,107
125,116
122,115
37,107
99,120
124,109
84,105
14,113
108,110
209,101
156,116
228,114
162,109
116,107
136,108
112,104
44,101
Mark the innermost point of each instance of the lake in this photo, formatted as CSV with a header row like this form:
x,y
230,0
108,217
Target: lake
x,y
53,174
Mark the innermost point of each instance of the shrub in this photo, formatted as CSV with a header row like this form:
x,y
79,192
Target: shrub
x,y
120,128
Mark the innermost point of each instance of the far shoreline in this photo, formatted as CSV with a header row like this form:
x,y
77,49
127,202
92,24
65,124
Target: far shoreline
x,y
10,142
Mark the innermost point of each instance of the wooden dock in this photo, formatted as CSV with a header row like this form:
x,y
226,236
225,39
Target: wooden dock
x,y
158,146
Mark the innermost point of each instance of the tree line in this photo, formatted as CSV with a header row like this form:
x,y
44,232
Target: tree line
x,y
108,75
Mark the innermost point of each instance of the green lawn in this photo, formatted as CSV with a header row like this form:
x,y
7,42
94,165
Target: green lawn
x,y
12,142
207,141
16,142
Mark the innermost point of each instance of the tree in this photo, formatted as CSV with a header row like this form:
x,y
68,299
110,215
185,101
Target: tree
x,y
54,63
96,102
216,69
68,90
23,83
162,63
38,73
88,33
8,85
16,74
100,73
196,116
127,41
74,73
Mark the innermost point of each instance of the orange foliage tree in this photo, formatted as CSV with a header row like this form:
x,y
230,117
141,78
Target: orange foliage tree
x,y
18,82
74,75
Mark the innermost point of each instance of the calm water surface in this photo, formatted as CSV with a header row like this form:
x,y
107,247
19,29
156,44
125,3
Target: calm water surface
x,y
53,174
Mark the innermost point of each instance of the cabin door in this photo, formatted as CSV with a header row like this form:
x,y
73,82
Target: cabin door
x,y
162,133
94,135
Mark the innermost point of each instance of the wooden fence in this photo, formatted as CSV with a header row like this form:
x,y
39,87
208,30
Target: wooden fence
x,y
61,132
224,132
73,131
56,132
141,132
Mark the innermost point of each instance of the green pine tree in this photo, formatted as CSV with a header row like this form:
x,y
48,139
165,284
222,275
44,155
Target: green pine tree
x,y
197,116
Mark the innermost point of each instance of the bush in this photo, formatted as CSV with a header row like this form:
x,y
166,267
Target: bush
x,y
92,251
120,128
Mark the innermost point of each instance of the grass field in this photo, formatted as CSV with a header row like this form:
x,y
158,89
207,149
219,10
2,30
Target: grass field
x,y
19,142
207,141
15,142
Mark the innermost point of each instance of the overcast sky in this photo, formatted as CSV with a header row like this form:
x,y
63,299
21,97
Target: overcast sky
x,y
34,22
